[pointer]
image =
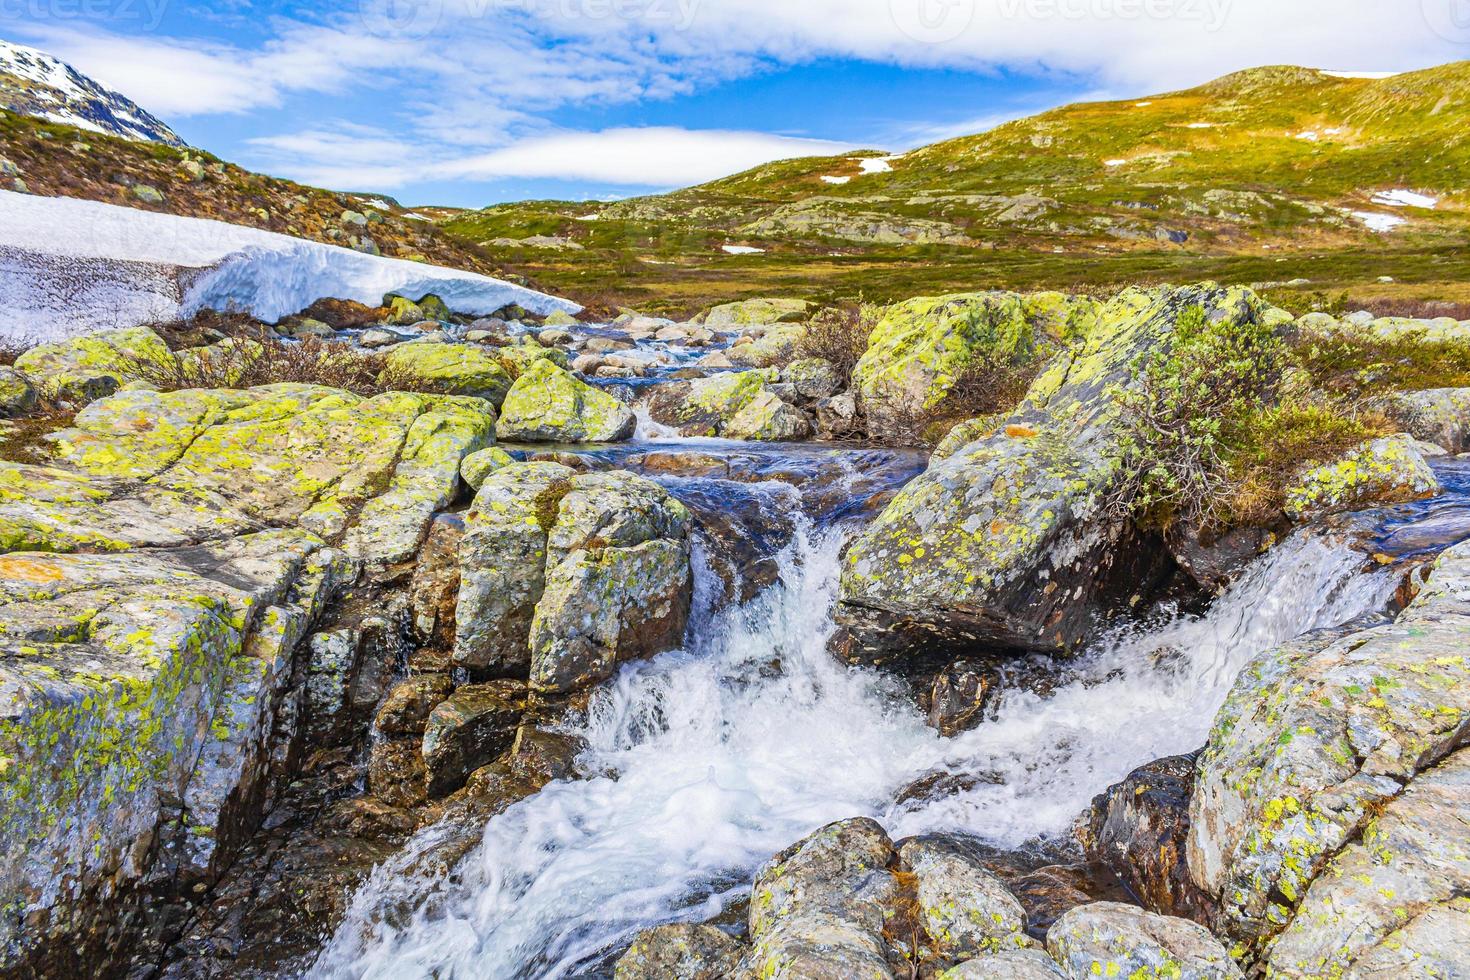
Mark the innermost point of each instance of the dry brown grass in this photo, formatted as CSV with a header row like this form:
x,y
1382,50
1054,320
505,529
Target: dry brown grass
x,y
1413,309
249,364
839,334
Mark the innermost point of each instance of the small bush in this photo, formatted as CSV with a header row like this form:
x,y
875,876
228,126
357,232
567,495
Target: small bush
x,y
839,334
248,364
1188,406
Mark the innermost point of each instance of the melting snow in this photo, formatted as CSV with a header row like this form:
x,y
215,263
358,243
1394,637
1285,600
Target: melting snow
x,y
743,250
1201,125
70,266
1404,199
1310,136
589,217
1380,223
376,203
1114,163
878,165
837,180
1142,105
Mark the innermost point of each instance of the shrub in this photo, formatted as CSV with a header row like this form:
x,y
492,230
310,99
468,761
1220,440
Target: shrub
x,y
839,334
1189,403
247,364
1352,362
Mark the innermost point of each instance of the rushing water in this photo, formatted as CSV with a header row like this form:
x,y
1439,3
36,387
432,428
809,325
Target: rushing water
x,y
721,754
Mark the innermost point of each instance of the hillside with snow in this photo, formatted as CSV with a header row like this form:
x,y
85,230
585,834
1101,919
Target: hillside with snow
x,y
70,267
33,83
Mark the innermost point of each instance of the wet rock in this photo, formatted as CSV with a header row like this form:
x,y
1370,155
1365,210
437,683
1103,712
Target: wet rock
x,y
813,378
474,726
960,694
84,369
919,347
1440,416
1385,471
434,591
1213,561
819,907
1109,939
397,776
448,369
769,419
838,417
756,311
1318,743
963,908
1049,893
737,405
588,364
17,394
966,433
1139,830
1014,964
547,404
373,339
406,708
689,952
1008,543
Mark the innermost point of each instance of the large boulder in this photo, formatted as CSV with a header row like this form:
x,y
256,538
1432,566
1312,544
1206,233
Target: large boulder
x,y
1108,939
449,369
469,729
1014,964
773,347
818,908
1384,471
920,347
83,369
549,404
735,404
688,952
1011,542
1321,818
564,575
756,311
964,909
1440,416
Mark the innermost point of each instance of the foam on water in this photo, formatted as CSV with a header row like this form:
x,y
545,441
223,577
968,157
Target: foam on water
x,y
720,755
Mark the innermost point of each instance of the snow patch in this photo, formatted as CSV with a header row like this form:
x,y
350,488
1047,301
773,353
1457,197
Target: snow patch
x,y
588,217
837,180
70,267
1142,105
879,165
1114,163
376,203
743,250
1201,125
1310,135
1405,199
1379,223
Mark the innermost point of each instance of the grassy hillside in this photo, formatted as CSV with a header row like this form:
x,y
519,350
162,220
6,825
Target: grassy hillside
x,y
1263,175
63,161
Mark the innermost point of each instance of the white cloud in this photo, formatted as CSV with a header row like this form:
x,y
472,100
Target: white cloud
x,y
630,156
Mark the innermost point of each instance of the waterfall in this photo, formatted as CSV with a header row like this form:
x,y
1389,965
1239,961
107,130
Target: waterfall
x,y
719,755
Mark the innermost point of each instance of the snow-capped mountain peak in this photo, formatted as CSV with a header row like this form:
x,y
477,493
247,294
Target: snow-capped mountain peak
x,y
34,83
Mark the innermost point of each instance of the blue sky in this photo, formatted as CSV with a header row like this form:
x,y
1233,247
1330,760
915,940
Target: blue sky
x,y
469,102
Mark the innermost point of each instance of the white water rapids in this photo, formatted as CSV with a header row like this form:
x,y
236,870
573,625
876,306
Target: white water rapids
x,y
720,755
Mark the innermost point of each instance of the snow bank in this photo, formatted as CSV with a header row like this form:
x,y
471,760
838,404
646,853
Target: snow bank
x,y
743,250
70,266
1380,223
1405,199
837,180
878,165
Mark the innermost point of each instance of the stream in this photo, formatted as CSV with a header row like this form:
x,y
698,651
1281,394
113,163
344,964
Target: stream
x,y
715,756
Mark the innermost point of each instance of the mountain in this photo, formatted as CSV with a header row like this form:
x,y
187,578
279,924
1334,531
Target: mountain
x,y
34,83
1266,174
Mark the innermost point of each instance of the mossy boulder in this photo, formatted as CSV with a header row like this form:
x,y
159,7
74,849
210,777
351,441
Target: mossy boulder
x,y
518,357
450,369
403,312
775,346
1109,939
920,347
1009,542
962,907
469,729
560,318
1440,416
549,404
689,952
1321,817
756,311
735,404
769,419
967,432
478,466
17,394
83,369
1384,471
814,378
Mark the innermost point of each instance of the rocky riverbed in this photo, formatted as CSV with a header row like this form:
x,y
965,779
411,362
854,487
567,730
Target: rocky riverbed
x,y
645,649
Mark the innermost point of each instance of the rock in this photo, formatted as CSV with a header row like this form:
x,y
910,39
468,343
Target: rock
x,y
396,775
83,369
964,435
353,219
1307,824
959,697
767,418
477,466
17,394
1440,416
838,417
963,908
587,364
918,348
519,357
716,361
137,696
560,318
547,404
447,369
304,327
434,590
813,378
753,311
474,726
819,907
1013,964
688,952
1009,543
406,708
1107,939
776,346
373,339
607,345
554,338
1139,830
146,194
503,566
1385,471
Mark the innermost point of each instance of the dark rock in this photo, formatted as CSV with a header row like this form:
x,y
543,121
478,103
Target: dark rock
x,y
406,708
396,772
960,695
473,727
434,592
